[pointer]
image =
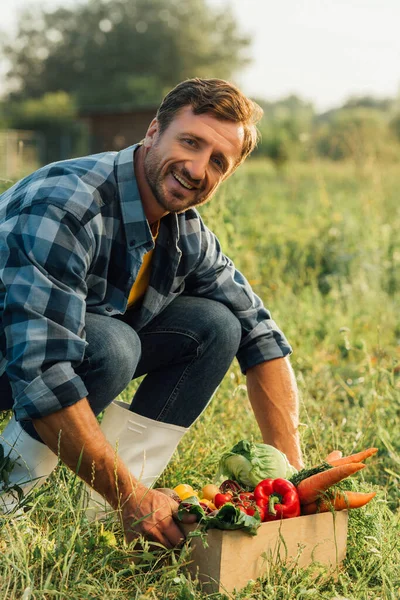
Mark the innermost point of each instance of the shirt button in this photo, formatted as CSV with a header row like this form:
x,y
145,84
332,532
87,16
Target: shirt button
x,y
132,242
109,308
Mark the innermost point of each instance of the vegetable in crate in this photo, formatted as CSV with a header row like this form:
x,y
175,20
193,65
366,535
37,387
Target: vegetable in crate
x,y
221,499
316,486
309,489
336,461
209,491
339,500
227,517
249,463
278,498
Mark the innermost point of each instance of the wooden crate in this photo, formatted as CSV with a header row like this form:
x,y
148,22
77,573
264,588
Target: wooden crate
x,y
232,558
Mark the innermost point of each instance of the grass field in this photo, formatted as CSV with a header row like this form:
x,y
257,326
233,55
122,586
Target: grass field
x,y
320,243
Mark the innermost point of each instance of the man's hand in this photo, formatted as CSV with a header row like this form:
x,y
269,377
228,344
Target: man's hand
x,y
150,513
74,433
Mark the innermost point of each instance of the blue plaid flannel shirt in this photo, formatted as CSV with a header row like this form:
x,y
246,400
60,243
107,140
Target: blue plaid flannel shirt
x,y
72,239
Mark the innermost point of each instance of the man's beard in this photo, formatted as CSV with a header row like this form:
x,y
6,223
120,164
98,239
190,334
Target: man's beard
x,y
155,179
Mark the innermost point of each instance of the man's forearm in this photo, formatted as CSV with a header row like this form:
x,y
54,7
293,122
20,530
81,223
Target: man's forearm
x,y
74,434
273,395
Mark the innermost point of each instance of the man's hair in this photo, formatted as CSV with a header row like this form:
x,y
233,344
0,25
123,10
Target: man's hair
x,y
219,98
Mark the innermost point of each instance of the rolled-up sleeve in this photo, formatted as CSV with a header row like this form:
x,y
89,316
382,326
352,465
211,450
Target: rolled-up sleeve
x,y
45,258
216,277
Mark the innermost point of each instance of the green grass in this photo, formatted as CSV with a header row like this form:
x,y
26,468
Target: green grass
x,y
320,244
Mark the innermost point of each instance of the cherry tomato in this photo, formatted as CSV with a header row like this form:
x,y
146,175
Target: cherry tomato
x,y
253,509
207,503
183,488
221,499
246,496
209,491
185,495
185,491
246,503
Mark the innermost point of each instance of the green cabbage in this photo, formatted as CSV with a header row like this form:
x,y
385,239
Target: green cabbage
x,y
249,463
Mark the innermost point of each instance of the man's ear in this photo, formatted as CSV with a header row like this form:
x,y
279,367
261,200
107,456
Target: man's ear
x,y
151,134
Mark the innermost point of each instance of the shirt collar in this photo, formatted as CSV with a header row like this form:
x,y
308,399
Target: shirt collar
x,y
136,226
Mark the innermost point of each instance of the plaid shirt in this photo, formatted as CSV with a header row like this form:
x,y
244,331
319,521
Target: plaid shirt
x,y
72,239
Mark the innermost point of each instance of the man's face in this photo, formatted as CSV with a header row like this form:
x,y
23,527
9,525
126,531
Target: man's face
x,y
187,162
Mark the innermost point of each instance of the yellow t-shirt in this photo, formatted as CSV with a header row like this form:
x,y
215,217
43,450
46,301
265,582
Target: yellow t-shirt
x,y
142,280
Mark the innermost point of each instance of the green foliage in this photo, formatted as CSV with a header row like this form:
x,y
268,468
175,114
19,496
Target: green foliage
x,y
380,104
357,133
54,115
395,126
362,130
124,51
4,185
57,109
320,244
3,119
285,127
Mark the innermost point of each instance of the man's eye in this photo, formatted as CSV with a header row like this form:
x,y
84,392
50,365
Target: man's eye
x,y
218,162
189,141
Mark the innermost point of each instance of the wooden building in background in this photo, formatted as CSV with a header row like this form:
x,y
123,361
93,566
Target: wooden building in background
x,y
114,128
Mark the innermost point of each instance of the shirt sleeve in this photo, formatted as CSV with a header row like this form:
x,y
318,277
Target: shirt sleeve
x,y
216,277
45,257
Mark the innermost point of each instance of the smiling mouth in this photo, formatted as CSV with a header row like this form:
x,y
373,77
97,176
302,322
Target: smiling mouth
x,y
184,183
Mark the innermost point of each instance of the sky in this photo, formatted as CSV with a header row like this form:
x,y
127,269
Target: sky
x,y
322,50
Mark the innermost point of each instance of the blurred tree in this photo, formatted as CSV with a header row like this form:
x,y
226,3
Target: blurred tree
x,y
394,126
3,118
285,127
291,107
383,104
357,133
122,51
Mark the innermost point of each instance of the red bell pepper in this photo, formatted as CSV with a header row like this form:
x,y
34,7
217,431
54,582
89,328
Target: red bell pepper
x,y
278,498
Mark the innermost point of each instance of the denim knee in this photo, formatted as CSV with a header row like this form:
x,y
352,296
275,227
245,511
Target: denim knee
x,y
187,350
221,329
111,358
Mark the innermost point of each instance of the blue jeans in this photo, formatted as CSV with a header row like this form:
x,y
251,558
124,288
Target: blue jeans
x,y
184,354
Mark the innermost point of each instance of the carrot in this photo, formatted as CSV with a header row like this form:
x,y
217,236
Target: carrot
x,y
309,489
353,458
341,501
306,473
335,454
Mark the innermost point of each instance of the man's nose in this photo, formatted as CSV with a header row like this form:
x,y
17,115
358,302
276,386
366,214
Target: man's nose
x,y
197,167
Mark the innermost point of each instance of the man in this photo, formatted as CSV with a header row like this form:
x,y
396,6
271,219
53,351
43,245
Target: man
x,y
107,272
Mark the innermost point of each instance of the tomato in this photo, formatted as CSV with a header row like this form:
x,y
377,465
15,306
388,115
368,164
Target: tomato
x,y
245,503
252,509
209,491
185,495
246,496
184,488
221,499
207,503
